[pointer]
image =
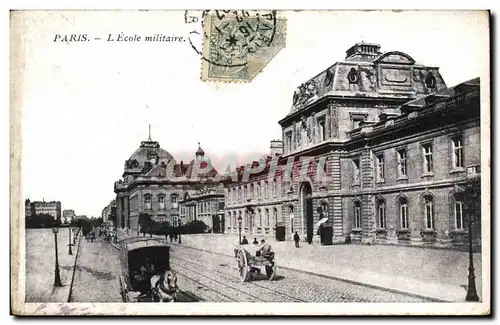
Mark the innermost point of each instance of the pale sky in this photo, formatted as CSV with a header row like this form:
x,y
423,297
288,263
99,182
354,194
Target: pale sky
x,y
86,106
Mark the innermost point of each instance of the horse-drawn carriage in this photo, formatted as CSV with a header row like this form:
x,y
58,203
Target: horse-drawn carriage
x,y
146,274
250,266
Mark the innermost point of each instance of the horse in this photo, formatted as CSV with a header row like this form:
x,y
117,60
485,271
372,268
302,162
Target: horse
x,y
164,287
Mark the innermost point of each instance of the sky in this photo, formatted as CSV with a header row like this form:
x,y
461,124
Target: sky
x,y
86,106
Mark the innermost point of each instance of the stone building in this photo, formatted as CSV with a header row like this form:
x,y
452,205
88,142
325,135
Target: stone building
x,y
68,215
207,205
52,208
378,145
256,196
153,183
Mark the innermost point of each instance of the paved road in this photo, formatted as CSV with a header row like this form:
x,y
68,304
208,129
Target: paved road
x,y
214,277
97,270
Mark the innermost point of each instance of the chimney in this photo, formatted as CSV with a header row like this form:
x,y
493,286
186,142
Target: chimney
x,y
276,148
363,49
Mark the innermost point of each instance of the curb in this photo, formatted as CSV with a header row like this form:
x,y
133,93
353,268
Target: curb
x,y
409,294
74,269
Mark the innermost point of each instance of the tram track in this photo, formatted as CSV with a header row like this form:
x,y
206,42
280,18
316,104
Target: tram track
x,y
308,285
273,292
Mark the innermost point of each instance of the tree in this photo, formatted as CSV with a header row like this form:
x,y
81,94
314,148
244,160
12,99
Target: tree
x,y
145,222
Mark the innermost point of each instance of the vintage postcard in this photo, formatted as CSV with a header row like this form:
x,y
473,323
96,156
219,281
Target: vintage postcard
x,y
250,162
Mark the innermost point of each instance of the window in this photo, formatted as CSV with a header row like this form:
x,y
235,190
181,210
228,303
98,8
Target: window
x,y
429,212
161,202
403,213
266,220
357,215
355,173
321,129
259,217
274,188
427,152
379,159
458,152
275,215
252,190
288,137
257,190
175,221
173,199
381,214
324,209
147,202
402,170
290,208
266,189
459,217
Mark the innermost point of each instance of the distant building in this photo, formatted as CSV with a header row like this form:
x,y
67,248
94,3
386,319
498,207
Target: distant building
x,y
108,214
28,209
153,183
205,205
68,215
52,208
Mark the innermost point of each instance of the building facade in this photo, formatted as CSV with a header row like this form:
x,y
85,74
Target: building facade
x,y
68,215
207,205
52,208
153,183
378,146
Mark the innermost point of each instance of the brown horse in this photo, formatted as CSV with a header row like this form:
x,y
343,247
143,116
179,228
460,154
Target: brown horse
x,y
164,287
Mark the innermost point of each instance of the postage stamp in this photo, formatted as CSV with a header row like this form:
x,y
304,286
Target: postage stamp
x,y
238,45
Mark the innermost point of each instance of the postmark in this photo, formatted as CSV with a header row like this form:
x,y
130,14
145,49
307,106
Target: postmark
x,y
235,45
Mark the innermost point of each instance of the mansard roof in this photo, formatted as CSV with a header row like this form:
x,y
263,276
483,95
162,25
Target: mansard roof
x,y
368,73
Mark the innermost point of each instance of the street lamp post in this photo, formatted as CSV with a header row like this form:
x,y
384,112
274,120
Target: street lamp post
x,y
239,228
469,197
471,287
180,231
57,275
69,244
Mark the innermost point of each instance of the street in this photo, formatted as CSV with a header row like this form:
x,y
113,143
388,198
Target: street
x,y
214,278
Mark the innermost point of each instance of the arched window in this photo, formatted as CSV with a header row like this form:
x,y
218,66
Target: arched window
x,y
266,189
324,209
274,188
403,213
357,214
290,208
381,214
428,202
147,202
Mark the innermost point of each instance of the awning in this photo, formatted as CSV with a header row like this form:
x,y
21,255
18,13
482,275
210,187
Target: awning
x,y
322,221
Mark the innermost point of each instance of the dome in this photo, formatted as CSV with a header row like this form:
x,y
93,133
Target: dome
x,y
149,153
199,152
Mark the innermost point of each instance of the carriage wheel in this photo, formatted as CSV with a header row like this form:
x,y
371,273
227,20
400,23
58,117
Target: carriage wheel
x,y
243,268
271,271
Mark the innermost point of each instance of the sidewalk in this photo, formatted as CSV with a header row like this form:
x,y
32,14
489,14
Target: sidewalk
x,y
40,265
438,274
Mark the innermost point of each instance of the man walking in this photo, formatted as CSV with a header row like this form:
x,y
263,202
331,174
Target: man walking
x,y
296,239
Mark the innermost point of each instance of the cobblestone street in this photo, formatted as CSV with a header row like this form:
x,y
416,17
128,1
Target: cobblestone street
x,y
214,277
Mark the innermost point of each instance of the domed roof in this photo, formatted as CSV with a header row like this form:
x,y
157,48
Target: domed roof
x,y
149,153
200,151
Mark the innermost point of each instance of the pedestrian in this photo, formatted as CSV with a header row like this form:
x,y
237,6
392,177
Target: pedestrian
x,y
244,241
255,242
296,239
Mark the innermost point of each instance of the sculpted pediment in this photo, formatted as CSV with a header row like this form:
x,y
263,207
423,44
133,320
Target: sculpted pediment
x,y
395,58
